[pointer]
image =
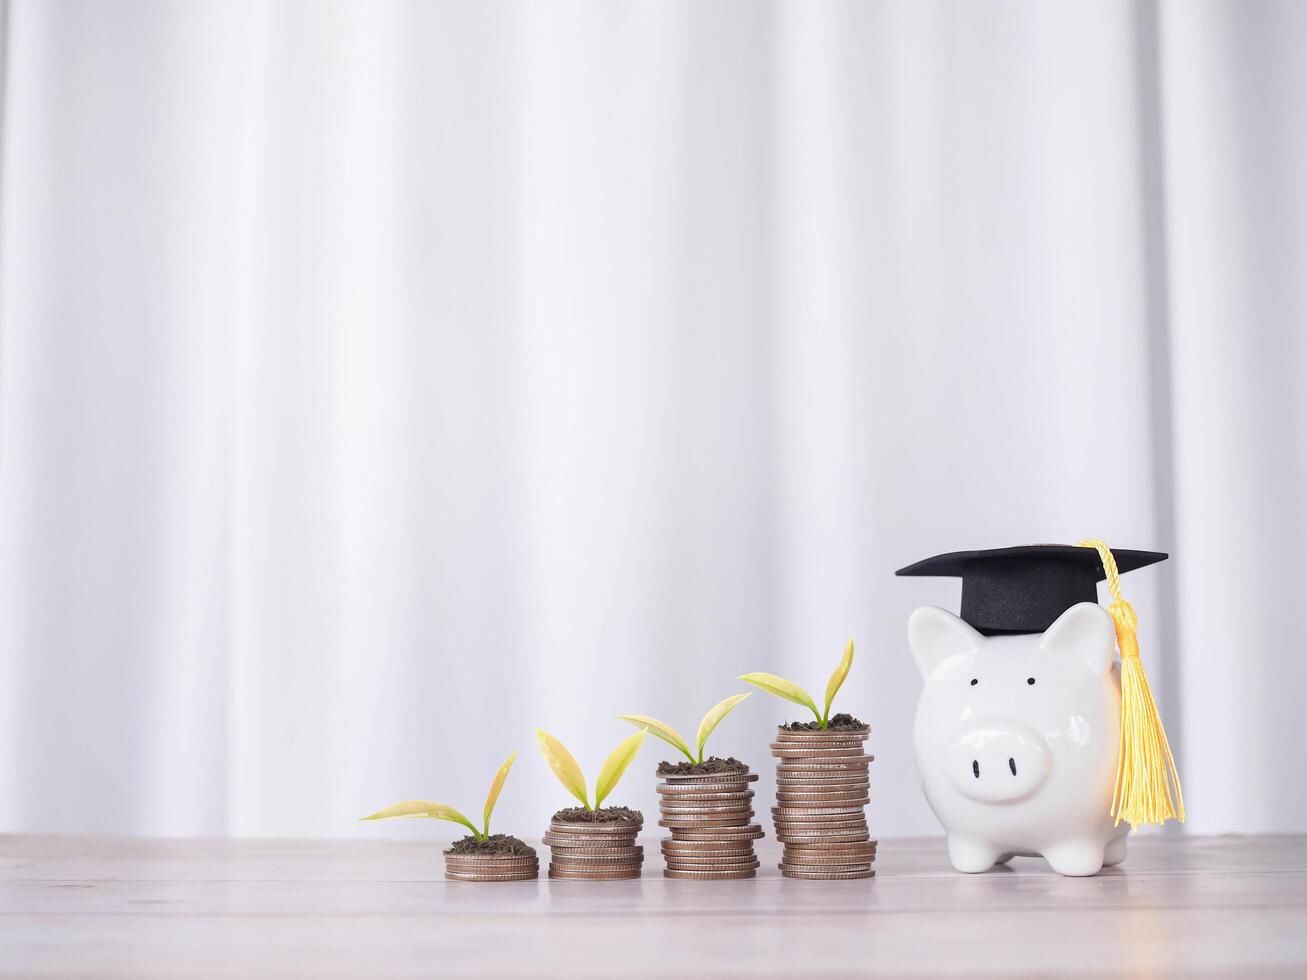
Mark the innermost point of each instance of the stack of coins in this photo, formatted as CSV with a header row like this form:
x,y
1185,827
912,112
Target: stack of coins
x,y
711,820
491,867
595,850
821,788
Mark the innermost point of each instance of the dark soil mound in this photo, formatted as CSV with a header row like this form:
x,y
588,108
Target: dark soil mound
x,y
708,767
495,844
605,814
838,723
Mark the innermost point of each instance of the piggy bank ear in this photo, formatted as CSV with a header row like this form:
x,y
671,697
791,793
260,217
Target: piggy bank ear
x,y
1085,631
935,635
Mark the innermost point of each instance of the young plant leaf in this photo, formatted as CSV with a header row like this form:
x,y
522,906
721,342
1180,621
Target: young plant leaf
x,y
666,732
564,766
714,718
837,679
424,808
782,688
616,764
496,787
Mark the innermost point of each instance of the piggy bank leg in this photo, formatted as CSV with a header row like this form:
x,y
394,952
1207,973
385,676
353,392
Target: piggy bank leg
x,y
1076,858
970,856
1115,852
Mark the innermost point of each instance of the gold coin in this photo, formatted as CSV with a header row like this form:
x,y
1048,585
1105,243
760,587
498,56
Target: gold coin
x,y
595,866
726,853
752,832
789,801
613,827
594,875
671,843
808,777
711,794
822,789
741,818
696,807
709,777
785,735
783,750
667,803
628,834
596,851
812,838
868,846
486,876
742,794
800,835
851,864
740,866
589,842
828,875
784,763
688,824
493,867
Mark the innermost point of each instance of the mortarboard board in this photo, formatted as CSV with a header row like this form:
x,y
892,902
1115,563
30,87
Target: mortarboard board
x,y
1025,589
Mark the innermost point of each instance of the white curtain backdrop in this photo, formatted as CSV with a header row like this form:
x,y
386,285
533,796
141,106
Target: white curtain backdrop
x,y
379,382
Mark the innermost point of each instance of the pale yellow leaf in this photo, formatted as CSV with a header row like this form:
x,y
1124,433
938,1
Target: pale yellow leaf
x,y
616,764
837,679
782,688
666,732
423,808
564,766
714,718
496,787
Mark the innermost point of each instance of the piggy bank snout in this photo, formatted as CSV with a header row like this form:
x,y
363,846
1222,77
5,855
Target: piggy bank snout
x,y
998,763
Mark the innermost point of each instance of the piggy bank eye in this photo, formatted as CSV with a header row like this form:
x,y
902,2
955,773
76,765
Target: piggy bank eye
x,y
974,681
1030,680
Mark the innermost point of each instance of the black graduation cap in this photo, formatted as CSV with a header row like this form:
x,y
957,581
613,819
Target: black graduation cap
x,y
1025,589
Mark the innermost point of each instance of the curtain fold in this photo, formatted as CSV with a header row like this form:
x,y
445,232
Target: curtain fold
x,y
379,382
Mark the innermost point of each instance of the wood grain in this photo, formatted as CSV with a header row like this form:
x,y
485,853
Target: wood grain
x,y
112,907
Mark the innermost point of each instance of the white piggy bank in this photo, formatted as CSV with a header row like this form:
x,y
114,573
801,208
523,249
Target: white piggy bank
x,y
1016,739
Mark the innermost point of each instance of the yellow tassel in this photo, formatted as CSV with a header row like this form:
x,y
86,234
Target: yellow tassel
x,y
1147,784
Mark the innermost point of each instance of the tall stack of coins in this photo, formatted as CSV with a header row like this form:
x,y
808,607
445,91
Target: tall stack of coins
x,y
711,819
492,867
594,849
822,786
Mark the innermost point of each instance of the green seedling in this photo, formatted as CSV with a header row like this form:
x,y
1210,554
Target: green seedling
x,y
569,773
673,738
439,811
790,691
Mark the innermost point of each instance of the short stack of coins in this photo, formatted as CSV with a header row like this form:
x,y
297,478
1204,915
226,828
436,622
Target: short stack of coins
x,y
594,849
711,819
822,785
491,867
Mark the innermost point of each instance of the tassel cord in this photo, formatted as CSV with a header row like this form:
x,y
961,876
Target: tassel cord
x,y
1147,787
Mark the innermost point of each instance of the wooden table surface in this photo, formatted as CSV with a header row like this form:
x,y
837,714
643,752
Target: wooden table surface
x,y
116,907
